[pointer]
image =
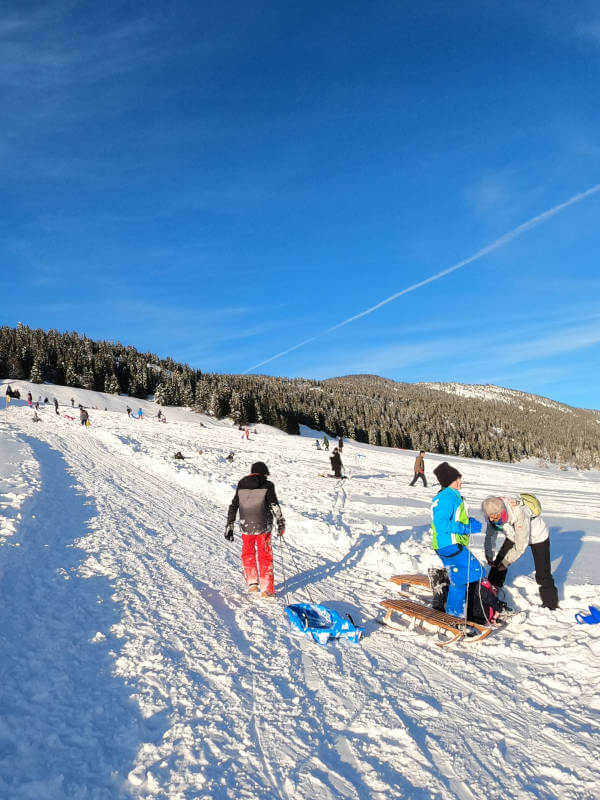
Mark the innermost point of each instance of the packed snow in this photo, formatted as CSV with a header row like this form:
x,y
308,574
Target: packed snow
x,y
135,665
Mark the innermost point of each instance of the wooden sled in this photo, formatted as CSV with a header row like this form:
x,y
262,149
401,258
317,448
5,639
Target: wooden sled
x,y
422,581
417,611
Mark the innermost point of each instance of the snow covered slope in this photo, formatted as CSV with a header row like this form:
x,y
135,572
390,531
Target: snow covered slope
x,y
134,664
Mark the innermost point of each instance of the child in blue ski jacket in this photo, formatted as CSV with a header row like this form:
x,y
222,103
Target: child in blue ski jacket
x,y
451,527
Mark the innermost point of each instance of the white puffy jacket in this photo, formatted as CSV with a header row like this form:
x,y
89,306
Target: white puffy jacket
x,y
521,528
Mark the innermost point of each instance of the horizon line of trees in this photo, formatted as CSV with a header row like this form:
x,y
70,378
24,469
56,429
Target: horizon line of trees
x,y
361,407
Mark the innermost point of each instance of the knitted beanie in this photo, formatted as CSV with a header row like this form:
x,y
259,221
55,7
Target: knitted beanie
x,y
492,505
259,468
446,474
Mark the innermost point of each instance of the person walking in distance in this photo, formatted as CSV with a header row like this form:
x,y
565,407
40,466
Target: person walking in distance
x,y
336,463
419,469
257,503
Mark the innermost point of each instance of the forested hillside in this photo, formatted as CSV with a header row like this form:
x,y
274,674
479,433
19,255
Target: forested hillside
x,y
484,422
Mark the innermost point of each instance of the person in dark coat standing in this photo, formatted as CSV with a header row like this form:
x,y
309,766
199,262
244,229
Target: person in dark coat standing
x,y
55,405
257,503
83,416
419,469
336,463
341,443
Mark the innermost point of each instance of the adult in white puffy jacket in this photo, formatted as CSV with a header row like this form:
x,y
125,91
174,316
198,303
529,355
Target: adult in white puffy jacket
x,y
522,529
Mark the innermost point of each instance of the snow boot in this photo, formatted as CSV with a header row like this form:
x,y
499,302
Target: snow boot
x,y
268,595
253,587
467,630
439,582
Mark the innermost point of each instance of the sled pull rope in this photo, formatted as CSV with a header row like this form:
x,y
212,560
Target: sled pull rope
x,y
297,569
285,589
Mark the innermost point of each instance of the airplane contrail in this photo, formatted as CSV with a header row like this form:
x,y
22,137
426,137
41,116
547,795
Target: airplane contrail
x,y
495,245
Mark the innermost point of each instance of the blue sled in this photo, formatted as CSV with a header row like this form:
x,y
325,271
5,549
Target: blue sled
x,y
322,623
593,618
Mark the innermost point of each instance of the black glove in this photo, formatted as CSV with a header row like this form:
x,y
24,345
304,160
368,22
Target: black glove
x,y
229,533
281,528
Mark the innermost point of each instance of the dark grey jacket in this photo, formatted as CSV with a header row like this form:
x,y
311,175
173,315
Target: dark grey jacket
x,y
257,503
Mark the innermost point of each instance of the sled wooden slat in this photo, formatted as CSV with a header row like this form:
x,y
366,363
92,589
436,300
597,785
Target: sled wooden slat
x,y
411,580
454,625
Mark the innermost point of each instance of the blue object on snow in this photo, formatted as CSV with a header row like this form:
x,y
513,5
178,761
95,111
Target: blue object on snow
x,y
322,623
593,618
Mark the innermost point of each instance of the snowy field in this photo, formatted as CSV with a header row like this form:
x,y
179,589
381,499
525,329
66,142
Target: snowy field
x,y
134,665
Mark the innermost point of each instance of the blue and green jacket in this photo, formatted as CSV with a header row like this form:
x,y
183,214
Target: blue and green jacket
x,y
450,523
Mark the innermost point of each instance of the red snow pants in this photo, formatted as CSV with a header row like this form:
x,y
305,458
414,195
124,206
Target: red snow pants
x,y
257,559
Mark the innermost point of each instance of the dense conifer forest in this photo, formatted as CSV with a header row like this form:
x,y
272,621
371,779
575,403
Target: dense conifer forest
x,y
488,422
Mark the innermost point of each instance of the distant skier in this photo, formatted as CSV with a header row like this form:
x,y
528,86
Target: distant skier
x,y
326,443
341,443
419,469
516,520
83,416
72,402
257,503
159,415
231,456
140,413
336,463
128,411
317,444
29,399
55,405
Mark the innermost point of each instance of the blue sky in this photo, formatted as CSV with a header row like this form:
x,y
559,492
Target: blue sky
x,y
218,182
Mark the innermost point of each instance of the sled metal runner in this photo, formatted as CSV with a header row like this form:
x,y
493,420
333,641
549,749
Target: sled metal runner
x,y
417,611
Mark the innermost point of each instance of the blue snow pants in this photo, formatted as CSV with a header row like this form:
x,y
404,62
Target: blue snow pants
x,y
463,568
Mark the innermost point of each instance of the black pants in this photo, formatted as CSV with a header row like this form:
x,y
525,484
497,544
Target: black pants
x,y
543,571
479,602
419,475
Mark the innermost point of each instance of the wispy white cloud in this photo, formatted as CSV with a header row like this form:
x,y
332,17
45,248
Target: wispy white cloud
x,y
588,30
49,47
511,348
495,245
492,193
554,344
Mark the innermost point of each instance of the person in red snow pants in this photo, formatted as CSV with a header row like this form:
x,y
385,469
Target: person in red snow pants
x,y
257,550
257,503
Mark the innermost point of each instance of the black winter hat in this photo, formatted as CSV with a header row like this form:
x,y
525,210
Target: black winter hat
x,y
259,468
446,474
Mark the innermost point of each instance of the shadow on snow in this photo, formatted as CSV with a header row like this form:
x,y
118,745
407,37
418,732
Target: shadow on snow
x,y
69,726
